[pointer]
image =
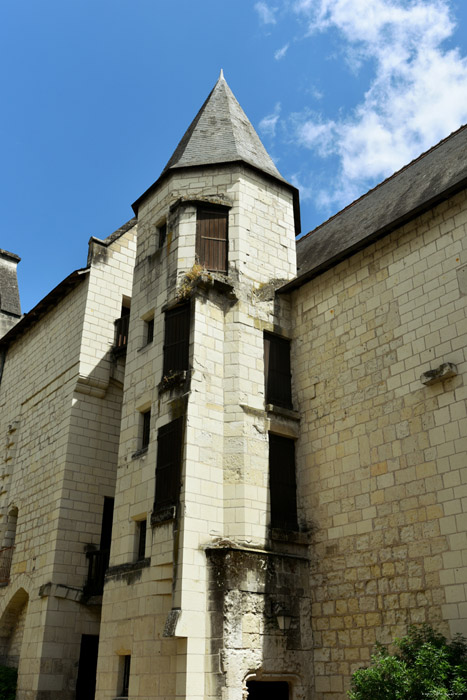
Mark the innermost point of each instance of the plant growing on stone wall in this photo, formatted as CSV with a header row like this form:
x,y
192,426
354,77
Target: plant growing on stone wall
x,y
8,678
425,666
190,280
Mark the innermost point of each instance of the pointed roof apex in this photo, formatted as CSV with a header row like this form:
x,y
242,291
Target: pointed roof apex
x,y
221,133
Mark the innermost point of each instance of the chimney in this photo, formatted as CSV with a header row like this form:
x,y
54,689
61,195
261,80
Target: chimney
x,y
10,309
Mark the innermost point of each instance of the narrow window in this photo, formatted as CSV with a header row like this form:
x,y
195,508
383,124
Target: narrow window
x,y
149,328
282,483
125,675
141,539
168,469
146,429
122,325
177,339
212,238
162,234
278,387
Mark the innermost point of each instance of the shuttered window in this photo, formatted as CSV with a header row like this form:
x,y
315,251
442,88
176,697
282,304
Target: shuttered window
x,y
278,386
177,339
212,238
282,483
168,469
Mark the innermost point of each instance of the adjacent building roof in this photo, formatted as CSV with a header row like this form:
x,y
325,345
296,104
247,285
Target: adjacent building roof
x,y
46,304
221,133
435,175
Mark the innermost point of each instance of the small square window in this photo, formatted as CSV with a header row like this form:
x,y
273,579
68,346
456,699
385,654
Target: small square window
x,y
149,328
146,429
162,233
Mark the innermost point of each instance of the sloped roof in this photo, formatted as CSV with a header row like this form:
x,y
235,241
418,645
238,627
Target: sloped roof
x,y
435,175
221,133
44,306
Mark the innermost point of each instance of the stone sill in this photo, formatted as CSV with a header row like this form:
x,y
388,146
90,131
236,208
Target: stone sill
x,y
163,515
122,569
139,453
280,411
293,536
177,380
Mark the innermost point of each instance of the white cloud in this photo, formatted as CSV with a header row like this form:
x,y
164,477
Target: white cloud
x,y
280,53
268,123
266,13
417,96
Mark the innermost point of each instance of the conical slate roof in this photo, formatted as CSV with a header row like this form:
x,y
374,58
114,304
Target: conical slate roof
x,y
221,133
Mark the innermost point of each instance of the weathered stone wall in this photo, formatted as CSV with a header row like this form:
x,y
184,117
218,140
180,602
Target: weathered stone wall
x,y
60,402
382,457
247,591
224,489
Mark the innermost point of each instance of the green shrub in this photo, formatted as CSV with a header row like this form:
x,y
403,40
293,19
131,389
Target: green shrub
x,y
8,678
425,666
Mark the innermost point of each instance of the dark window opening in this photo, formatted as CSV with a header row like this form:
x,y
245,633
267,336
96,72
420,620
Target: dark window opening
x,y
282,482
177,339
121,328
125,676
149,327
141,539
146,429
168,469
212,238
162,232
268,690
99,559
277,373
87,667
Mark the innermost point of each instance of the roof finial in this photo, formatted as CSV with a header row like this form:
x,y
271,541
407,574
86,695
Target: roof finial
x,y
221,75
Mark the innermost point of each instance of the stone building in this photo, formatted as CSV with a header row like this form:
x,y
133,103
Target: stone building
x,y
280,434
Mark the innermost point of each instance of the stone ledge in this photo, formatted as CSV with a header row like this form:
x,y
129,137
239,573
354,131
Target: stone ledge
x,y
163,515
281,411
445,371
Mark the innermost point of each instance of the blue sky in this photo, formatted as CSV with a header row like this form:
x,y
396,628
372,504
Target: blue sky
x,y
96,95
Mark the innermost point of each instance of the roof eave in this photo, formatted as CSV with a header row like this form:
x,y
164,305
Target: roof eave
x,y
373,236
44,305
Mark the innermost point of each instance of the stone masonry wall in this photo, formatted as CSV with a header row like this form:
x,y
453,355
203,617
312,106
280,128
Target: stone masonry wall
x,y
60,424
382,469
226,369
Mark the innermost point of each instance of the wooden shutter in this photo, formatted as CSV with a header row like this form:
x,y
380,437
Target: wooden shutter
x,y
278,386
169,458
212,239
177,339
282,483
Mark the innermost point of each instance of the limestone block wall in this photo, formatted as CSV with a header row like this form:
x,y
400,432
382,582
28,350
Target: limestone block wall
x,y
228,316
382,457
61,402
